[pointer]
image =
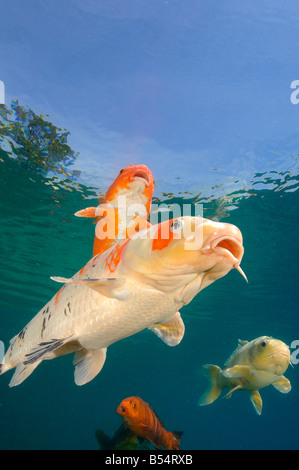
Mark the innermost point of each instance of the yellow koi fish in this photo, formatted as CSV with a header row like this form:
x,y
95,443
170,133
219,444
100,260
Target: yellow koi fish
x,y
252,366
137,284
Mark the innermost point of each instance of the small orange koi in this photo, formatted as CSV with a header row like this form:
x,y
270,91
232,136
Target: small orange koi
x,y
141,419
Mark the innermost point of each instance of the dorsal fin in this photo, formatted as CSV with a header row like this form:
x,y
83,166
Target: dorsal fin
x,y
240,345
110,287
155,414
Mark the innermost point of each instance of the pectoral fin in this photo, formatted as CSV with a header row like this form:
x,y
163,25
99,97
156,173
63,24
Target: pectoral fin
x,y
237,372
40,352
22,372
171,331
110,287
88,364
257,402
87,212
145,427
283,385
229,394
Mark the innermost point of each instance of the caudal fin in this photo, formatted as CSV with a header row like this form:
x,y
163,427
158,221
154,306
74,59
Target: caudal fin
x,y
214,390
176,439
103,440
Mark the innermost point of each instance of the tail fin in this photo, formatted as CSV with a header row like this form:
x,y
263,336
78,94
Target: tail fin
x,y
176,439
103,440
214,390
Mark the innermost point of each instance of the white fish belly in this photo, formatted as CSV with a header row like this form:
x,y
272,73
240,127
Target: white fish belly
x,y
78,313
110,320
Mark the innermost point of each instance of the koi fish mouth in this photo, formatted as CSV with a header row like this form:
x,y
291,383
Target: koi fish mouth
x,y
142,176
229,247
121,409
279,354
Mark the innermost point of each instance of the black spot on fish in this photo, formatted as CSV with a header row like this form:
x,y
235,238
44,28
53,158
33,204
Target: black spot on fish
x,y
22,333
65,312
44,348
43,327
49,316
69,306
94,261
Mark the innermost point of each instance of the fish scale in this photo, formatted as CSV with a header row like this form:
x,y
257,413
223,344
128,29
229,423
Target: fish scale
x,y
89,320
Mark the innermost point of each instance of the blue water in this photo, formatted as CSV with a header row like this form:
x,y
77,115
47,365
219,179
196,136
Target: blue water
x,y
200,94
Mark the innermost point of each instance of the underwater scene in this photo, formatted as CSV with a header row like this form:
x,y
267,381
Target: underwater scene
x,y
183,111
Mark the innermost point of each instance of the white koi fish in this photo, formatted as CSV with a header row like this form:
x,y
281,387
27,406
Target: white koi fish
x,y
137,284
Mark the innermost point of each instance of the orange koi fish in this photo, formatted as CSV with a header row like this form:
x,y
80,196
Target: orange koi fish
x,y
124,209
137,284
141,419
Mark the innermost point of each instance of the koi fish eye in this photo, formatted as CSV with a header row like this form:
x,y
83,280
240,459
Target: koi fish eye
x,y
176,226
121,171
264,344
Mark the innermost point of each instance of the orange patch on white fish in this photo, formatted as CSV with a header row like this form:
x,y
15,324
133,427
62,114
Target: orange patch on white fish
x,y
114,256
58,295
